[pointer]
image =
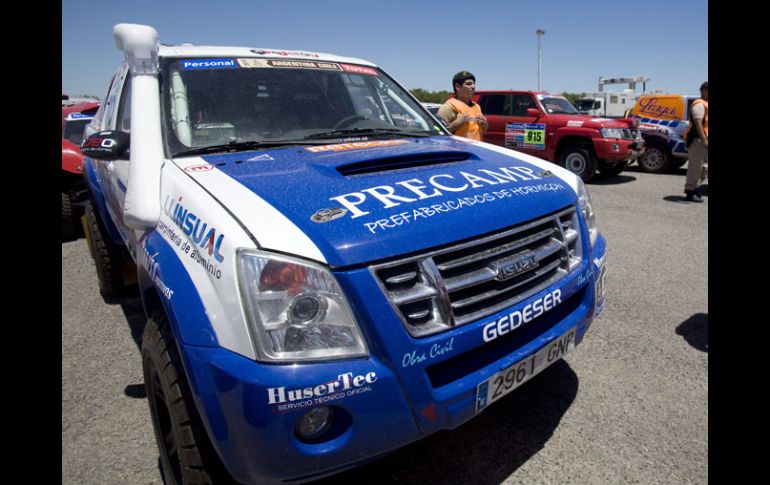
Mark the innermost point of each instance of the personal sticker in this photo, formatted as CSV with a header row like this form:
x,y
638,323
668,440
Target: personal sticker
x,y
78,116
189,64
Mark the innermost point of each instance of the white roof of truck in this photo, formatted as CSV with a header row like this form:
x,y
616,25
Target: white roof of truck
x,y
203,51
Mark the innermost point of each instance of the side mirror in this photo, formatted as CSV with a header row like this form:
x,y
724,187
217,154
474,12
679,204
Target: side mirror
x,y
533,112
106,145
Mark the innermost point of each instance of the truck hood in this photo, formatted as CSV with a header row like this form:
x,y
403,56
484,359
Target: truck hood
x,y
586,121
368,201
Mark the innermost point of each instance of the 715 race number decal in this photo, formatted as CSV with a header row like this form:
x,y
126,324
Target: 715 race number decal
x,y
525,135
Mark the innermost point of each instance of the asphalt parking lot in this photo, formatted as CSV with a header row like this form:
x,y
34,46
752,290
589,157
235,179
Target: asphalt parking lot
x,y
629,405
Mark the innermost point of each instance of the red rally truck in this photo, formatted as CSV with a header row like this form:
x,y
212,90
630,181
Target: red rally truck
x,y
549,127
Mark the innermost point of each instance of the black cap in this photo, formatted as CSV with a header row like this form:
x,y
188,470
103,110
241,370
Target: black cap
x,y
705,85
461,76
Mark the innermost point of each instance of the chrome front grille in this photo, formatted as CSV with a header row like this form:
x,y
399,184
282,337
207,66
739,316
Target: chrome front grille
x,y
436,291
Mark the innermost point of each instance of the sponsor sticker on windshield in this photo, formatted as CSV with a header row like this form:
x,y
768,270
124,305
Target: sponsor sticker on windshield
x,y
285,63
263,52
188,64
525,135
359,69
79,116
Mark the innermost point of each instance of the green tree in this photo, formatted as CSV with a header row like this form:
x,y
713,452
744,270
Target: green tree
x,y
573,96
430,96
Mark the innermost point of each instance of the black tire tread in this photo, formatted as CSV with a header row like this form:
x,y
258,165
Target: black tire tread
x,y
663,147
613,170
68,228
588,152
200,464
109,258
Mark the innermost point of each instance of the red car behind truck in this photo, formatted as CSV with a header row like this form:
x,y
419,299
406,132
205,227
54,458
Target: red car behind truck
x,y
549,127
74,119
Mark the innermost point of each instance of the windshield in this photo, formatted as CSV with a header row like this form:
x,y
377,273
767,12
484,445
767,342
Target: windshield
x,y
557,105
584,104
73,130
279,100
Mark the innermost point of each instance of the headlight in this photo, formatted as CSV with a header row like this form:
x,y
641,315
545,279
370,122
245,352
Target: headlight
x,y
296,309
584,201
611,133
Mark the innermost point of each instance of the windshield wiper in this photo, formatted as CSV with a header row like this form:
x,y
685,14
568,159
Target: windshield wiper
x,y
240,146
369,132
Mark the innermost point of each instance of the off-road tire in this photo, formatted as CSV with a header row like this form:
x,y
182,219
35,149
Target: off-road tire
x,y
114,267
68,227
656,158
186,453
612,168
677,162
580,160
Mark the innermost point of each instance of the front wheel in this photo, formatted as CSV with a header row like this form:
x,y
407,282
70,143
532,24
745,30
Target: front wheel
x,y
656,158
612,167
186,454
677,163
579,160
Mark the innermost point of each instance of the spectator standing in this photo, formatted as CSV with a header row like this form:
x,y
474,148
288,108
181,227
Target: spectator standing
x,y
697,137
462,116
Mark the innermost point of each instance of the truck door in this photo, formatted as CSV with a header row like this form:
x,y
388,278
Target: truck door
x,y
493,106
523,132
113,174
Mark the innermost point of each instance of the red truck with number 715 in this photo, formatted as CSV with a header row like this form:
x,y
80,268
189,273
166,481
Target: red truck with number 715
x,y
549,127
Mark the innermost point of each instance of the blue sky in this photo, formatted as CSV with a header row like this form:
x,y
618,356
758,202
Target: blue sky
x,y
421,44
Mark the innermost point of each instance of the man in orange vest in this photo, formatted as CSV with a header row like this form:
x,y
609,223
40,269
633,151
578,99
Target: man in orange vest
x,y
462,116
698,145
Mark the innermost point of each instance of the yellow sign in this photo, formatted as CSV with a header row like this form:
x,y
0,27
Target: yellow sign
x,y
661,107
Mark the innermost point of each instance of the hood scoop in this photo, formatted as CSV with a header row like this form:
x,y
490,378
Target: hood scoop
x,y
402,162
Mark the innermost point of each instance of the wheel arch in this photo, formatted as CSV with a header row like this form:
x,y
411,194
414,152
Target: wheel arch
x,y
569,141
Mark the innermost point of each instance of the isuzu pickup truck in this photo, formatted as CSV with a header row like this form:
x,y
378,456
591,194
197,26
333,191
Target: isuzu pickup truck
x,y
327,273
548,126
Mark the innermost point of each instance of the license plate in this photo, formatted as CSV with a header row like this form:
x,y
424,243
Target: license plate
x,y
509,379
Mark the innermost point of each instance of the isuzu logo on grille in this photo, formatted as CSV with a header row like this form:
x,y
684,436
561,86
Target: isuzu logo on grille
x,y
514,265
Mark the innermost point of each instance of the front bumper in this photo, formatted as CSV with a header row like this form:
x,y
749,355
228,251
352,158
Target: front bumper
x,y
618,149
423,385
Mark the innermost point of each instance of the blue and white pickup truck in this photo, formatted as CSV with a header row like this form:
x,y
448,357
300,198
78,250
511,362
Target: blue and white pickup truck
x,y
328,274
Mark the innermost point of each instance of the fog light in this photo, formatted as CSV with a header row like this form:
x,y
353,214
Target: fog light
x,y
616,147
315,423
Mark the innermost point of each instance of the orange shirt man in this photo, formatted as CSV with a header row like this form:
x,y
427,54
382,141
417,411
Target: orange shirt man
x,y
462,116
